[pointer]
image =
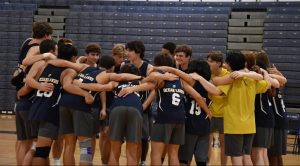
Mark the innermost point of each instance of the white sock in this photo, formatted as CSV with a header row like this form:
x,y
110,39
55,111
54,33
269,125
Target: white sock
x,y
33,147
56,161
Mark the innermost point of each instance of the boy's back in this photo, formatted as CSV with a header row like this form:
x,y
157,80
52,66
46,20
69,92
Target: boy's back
x,y
239,109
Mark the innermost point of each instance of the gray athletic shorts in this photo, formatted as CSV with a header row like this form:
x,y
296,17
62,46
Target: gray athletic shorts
x,y
78,122
238,144
217,124
168,133
194,145
279,140
125,122
49,130
25,128
34,129
263,137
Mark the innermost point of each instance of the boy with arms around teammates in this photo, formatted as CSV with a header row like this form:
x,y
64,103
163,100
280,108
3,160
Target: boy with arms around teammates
x,y
25,96
45,105
170,118
239,121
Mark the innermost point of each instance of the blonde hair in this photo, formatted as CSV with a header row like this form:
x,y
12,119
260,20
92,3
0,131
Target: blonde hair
x,y
119,49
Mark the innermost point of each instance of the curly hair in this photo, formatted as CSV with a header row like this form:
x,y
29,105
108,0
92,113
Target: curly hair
x,y
41,29
93,47
119,49
184,48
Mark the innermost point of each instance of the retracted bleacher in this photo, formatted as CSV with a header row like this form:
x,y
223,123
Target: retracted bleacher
x,y
204,28
15,24
203,25
282,43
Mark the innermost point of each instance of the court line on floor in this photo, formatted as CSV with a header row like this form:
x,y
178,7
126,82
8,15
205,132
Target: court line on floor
x,y
8,132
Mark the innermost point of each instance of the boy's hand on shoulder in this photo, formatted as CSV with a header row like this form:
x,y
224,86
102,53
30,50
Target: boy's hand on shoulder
x,y
125,91
236,75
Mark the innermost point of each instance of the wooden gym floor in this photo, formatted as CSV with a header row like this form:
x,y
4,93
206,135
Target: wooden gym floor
x,y
8,140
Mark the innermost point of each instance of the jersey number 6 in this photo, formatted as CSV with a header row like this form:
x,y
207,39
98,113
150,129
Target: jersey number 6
x,y
175,99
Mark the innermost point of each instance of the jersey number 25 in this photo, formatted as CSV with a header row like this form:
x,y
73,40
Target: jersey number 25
x,y
45,94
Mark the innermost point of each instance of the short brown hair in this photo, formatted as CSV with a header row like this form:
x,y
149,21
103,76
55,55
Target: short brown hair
x,y
64,41
250,58
41,29
184,48
93,47
216,56
119,49
263,57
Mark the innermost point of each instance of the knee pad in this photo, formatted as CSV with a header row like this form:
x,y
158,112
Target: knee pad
x,y
86,151
42,152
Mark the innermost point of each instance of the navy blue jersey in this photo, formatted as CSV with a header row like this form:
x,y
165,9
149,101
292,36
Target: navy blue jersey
x,y
97,101
143,72
25,48
18,80
45,104
88,75
197,121
264,116
24,103
109,99
131,100
145,94
117,69
186,71
170,103
279,111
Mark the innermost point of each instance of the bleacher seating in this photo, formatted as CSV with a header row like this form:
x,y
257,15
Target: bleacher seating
x,y
278,18
17,6
148,23
281,41
16,25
